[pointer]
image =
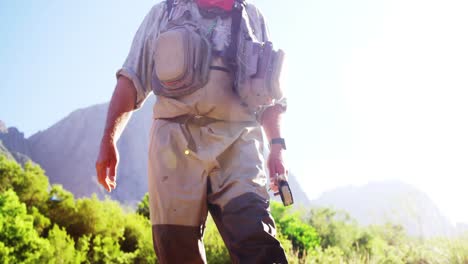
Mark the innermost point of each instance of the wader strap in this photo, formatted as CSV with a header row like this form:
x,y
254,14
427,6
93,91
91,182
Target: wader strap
x,y
185,120
220,68
231,51
169,6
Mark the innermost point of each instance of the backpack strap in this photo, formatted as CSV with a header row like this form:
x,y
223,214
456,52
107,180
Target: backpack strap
x,y
231,52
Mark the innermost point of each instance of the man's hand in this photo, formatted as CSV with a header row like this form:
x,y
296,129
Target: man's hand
x,y
271,124
276,166
106,165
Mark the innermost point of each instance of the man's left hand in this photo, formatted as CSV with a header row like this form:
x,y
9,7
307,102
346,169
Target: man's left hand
x,y
276,166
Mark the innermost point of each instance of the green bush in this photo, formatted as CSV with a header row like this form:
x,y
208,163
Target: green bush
x,y
61,208
137,238
42,224
62,246
143,206
29,183
303,236
19,241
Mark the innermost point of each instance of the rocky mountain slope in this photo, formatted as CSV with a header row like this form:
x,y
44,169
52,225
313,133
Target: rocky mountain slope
x,y
392,201
68,150
13,144
4,151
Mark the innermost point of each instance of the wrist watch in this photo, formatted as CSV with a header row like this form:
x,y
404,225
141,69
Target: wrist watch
x,y
278,141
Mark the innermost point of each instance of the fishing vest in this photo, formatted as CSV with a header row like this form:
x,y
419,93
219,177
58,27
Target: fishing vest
x,y
184,52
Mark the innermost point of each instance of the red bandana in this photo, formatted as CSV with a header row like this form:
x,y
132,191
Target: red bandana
x,y
209,4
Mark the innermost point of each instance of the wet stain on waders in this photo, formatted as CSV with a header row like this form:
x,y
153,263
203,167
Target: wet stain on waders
x,y
170,159
165,178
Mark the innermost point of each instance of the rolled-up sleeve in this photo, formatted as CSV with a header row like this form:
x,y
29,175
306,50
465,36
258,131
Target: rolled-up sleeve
x,y
138,66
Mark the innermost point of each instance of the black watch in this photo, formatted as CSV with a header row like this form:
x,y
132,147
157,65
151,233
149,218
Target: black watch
x,y
278,141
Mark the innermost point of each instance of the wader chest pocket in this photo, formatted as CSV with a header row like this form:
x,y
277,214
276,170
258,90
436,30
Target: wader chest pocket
x,y
172,57
259,74
182,56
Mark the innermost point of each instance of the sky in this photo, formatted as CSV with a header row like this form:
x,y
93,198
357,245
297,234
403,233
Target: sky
x,y
377,90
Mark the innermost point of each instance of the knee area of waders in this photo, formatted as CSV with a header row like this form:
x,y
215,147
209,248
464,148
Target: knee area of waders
x,y
178,244
250,230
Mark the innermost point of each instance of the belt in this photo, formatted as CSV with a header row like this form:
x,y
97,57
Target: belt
x,y
184,121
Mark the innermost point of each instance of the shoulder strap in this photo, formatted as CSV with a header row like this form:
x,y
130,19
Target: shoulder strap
x,y
231,51
169,5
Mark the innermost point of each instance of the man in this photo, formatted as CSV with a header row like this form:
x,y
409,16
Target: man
x,y
206,146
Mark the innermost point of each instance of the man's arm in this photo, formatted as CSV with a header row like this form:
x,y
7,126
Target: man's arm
x,y
120,110
271,116
271,119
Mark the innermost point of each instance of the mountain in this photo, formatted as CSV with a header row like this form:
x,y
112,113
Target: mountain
x,y
389,201
4,151
67,152
13,144
3,127
461,229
